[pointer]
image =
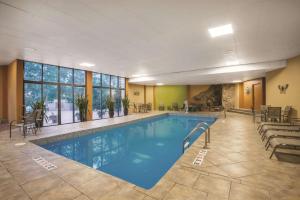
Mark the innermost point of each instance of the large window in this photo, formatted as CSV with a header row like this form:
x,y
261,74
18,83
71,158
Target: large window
x,y
57,86
105,86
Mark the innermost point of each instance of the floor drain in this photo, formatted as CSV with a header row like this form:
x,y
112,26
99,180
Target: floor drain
x,y
44,163
200,157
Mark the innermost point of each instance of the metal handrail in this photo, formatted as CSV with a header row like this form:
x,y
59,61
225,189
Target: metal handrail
x,y
192,132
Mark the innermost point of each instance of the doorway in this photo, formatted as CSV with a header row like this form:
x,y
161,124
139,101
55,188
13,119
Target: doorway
x,y
257,96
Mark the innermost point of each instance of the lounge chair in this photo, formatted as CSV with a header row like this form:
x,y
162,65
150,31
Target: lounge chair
x,y
279,128
280,134
284,143
267,125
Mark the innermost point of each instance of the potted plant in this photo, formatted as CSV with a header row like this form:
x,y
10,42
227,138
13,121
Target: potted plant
x,y
81,102
40,104
125,102
110,105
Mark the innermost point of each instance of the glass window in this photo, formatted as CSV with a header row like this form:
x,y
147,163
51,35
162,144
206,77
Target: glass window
x,y
104,95
117,99
121,111
96,103
114,81
122,83
66,104
32,71
50,94
78,91
50,73
79,77
96,79
32,93
66,75
105,80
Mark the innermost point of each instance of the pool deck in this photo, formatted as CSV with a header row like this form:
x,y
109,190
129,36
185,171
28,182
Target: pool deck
x,y
235,167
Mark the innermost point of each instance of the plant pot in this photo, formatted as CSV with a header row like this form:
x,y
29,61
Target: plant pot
x,y
125,111
111,113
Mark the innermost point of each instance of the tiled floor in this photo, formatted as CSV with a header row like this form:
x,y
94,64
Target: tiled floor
x,y
235,167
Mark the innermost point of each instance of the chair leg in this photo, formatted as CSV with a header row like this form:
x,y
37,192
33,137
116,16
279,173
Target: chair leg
x,y
268,141
267,147
24,131
273,152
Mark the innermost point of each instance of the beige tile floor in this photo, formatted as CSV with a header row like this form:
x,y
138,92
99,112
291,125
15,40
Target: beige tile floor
x,y
235,167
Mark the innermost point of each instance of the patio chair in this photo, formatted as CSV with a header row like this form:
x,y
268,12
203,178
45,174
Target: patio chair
x,y
287,114
175,107
274,114
161,107
284,143
262,114
29,123
53,118
135,109
280,134
149,107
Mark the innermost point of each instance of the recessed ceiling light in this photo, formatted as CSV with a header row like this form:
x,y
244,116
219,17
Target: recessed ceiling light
x,y
141,79
138,75
221,30
85,64
237,81
159,84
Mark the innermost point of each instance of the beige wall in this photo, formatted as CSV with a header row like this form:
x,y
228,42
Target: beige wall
x,y
133,89
289,75
89,94
145,94
15,90
150,95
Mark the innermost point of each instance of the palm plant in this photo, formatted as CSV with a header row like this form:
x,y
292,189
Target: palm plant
x,y
125,102
81,102
110,105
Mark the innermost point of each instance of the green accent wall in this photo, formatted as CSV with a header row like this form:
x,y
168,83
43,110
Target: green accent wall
x,y
170,94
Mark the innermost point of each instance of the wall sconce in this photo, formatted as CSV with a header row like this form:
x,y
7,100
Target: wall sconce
x,y
283,88
136,93
248,90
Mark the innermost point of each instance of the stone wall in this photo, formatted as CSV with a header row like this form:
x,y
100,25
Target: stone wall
x,y
228,96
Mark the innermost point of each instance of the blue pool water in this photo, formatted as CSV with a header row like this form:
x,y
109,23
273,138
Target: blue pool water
x,y
140,153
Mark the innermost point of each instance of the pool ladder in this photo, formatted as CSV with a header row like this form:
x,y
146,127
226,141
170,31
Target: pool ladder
x,y
200,126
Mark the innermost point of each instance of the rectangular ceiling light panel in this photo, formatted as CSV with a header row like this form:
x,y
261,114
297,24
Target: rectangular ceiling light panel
x,y
220,30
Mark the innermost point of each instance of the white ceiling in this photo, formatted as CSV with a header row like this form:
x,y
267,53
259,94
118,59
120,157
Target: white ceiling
x,y
159,38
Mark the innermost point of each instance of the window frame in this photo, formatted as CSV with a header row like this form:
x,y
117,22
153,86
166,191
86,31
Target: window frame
x,y
73,85
118,89
58,84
